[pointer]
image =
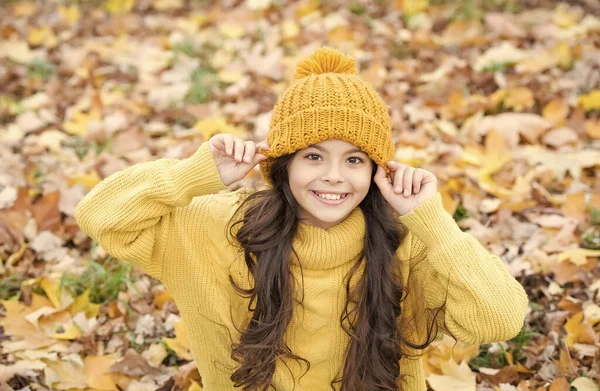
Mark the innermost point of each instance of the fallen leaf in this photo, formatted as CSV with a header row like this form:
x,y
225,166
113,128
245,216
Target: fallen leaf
x,y
96,368
179,344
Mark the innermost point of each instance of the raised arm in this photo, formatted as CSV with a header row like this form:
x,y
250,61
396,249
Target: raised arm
x,y
131,212
484,302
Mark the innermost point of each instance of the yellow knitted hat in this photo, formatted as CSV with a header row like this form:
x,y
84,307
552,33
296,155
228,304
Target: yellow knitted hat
x,y
328,100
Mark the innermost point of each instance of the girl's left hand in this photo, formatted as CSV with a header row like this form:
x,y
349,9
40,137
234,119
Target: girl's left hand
x,y
409,186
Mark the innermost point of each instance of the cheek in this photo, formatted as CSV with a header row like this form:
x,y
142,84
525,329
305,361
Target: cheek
x,y
363,181
365,185
297,181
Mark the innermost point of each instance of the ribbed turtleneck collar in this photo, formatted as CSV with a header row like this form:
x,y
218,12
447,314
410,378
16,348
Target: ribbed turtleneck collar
x,y
320,248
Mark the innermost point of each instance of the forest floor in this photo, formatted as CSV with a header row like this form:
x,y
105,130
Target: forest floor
x,y
500,99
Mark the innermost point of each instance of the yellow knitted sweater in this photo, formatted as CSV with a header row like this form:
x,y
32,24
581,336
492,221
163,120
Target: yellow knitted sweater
x,y
168,217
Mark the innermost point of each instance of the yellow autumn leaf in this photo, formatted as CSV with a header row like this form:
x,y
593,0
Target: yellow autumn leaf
x,y
156,354
289,29
455,377
578,256
518,98
87,180
179,344
565,56
119,6
592,129
161,298
78,124
412,7
65,375
25,9
165,5
496,154
448,202
82,304
340,34
37,36
556,111
211,126
471,154
579,330
590,101
25,335
448,349
96,368
51,287
565,17
231,30
230,77
307,7
68,333
195,386
546,59
70,14
14,257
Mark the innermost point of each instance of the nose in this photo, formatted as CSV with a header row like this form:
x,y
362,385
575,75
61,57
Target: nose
x,y
333,174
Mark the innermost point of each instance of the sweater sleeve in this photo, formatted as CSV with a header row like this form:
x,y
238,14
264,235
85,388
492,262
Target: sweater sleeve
x,y
484,303
131,213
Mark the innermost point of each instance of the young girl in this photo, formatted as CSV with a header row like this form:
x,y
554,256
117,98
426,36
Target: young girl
x,y
362,244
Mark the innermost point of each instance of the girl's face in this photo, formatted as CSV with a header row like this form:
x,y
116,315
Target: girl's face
x,y
330,168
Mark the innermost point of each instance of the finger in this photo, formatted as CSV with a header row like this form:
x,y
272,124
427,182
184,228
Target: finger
x,y
407,181
262,145
381,180
228,139
258,157
417,178
238,149
398,180
392,165
219,143
249,150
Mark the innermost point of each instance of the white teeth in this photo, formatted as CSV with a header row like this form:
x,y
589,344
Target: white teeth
x,y
330,196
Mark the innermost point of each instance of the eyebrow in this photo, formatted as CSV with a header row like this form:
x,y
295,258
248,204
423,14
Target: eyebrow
x,y
320,148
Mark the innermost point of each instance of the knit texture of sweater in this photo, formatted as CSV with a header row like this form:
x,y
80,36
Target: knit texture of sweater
x,y
169,217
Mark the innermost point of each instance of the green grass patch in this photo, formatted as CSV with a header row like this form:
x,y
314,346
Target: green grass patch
x,y
476,9
520,340
202,80
186,47
591,239
498,67
11,286
357,8
487,359
82,146
105,281
594,214
460,213
40,69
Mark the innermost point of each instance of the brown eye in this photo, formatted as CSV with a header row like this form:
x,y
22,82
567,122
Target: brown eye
x,y
311,154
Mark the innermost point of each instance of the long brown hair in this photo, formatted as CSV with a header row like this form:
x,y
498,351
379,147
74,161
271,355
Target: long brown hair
x,y
376,340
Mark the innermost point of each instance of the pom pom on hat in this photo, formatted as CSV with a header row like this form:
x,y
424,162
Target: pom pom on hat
x,y
324,60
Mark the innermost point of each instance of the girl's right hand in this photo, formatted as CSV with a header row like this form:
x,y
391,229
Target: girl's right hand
x,y
235,157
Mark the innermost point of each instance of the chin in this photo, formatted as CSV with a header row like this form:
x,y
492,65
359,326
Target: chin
x,y
333,216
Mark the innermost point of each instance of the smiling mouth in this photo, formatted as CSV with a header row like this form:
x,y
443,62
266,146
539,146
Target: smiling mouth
x,y
330,201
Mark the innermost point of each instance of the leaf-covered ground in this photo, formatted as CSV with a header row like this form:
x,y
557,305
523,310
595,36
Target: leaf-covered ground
x,y
499,98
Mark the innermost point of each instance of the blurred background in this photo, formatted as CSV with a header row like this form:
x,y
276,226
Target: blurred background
x,y
499,98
